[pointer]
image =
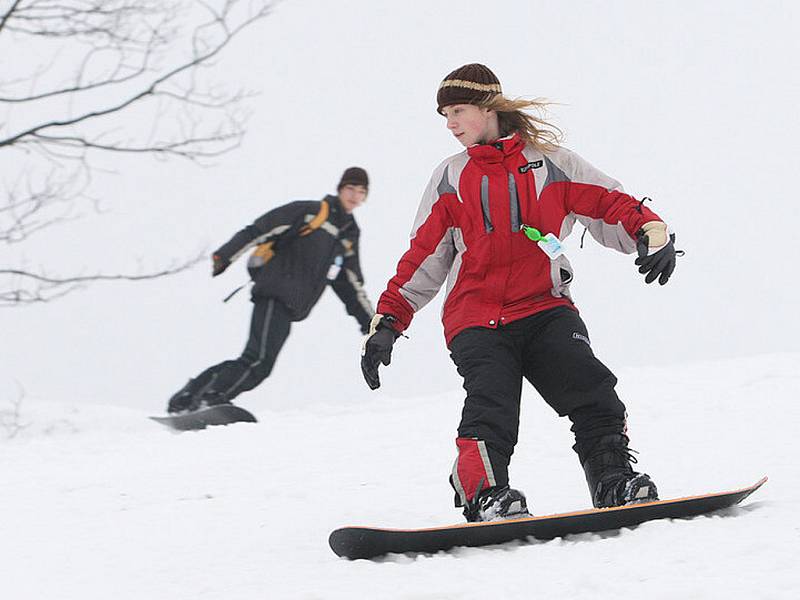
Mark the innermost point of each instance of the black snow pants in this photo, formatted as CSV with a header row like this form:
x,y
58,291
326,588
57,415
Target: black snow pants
x,y
269,328
551,350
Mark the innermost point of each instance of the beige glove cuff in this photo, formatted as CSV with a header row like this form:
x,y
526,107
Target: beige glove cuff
x,y
657,235
373,327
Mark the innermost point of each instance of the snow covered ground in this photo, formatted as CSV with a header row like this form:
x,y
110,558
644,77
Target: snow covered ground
x,y
691,103
98,502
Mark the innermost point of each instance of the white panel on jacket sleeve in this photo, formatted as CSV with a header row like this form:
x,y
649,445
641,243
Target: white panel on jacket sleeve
x,y
428,278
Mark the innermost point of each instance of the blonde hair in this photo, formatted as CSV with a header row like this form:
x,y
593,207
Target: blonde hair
x,y
513,116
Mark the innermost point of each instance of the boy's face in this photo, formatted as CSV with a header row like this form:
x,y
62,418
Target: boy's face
x,y
470,124
352,196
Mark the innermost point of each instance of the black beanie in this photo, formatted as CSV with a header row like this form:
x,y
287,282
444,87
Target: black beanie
x,y
353,176
469,84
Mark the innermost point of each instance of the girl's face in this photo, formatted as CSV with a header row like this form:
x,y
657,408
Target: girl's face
x,y
472,124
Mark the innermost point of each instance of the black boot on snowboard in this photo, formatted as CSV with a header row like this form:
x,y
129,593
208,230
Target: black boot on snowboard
x,y
188,400
612,481
211,398
496,504
183,400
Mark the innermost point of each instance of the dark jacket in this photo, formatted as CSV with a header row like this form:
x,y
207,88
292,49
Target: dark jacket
x,y
301,247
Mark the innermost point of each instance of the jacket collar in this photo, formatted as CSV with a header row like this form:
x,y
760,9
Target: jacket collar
x,y
498,150
338,216
333,201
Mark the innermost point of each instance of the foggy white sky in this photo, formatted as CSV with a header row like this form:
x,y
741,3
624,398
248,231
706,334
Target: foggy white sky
x,y
692,104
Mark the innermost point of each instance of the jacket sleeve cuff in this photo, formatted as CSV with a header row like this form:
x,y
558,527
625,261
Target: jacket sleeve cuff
x,y
401,317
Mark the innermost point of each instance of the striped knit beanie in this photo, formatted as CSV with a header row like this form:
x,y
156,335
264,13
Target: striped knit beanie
x,y
470,84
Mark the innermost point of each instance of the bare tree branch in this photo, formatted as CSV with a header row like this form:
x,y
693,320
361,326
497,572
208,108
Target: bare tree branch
x,y
35,287
11,419
86,278
8,14
181,148
149,90
78,88
143,63
31,203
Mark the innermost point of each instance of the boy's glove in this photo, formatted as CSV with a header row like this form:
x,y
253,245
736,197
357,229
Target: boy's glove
x,y
656,252
218,265
377,348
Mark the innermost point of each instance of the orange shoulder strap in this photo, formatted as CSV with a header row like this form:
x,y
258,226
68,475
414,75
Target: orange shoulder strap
x,y
318,220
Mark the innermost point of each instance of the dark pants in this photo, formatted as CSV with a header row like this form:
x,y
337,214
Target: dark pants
x,y
269,328
551,350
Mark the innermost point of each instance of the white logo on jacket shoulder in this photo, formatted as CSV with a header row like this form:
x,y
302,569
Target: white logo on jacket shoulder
x,y
580,336
531,165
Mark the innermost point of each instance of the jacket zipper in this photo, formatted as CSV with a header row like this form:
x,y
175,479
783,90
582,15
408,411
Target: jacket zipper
x,y
514,199
487,217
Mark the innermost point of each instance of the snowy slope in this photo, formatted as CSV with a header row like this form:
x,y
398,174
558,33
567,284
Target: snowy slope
x,y
693,104
99,503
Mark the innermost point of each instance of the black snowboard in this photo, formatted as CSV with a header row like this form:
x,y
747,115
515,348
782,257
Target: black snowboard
x,y
223,414
368,542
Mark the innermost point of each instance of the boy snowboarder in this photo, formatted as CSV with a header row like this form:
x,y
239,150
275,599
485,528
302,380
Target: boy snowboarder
x,y
300,248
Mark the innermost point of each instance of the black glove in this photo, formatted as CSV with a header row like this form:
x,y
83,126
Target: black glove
x,y
377,348
219,264
660,264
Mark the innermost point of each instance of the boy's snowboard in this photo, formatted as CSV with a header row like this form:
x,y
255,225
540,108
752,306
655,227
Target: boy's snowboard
x,y
222,414
368,542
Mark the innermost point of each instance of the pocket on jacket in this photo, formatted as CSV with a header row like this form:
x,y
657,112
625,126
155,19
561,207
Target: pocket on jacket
x,y
561,275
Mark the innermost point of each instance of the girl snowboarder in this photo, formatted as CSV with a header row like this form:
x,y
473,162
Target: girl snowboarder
x,y
490,223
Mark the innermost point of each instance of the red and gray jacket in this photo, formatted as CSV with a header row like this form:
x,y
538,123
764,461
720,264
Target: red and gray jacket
x,y
467,231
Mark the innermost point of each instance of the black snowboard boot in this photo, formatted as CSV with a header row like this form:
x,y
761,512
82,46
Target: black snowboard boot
x,y
496,504
193,396
183,400
612,481
212,398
